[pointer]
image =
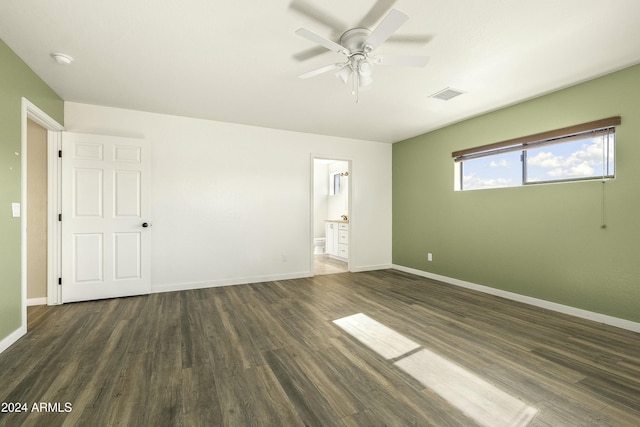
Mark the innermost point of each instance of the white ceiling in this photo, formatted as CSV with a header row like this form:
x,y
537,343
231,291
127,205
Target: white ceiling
x,y
233,61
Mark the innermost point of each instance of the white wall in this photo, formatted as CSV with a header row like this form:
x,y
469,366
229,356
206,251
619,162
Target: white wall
x,y
232,203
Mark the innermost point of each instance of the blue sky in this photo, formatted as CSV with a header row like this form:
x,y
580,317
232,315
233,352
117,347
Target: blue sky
x,y
571,160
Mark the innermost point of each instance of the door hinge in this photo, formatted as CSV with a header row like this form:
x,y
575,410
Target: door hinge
x,y
59,153
59,217
59,280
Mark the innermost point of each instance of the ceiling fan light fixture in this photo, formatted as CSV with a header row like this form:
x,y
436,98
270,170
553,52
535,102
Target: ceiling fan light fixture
x,y
365,81
365,68
344,73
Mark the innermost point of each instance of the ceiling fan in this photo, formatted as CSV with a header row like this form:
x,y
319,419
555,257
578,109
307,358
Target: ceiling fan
x,y
357,45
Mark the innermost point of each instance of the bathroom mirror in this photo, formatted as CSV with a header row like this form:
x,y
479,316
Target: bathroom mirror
x,y
334,183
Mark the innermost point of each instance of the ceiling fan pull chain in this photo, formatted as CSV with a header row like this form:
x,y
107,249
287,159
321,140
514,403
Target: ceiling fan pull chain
x,y
353,83
356,83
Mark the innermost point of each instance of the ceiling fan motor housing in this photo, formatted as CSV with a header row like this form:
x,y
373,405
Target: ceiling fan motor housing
x,y
355,40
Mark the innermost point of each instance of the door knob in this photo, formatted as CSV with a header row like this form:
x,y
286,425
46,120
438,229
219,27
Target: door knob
x,y
145,224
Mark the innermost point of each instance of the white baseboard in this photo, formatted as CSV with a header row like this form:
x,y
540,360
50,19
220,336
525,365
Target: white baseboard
x,y
36,301
227,282
566,309
173,287
371,268
12,338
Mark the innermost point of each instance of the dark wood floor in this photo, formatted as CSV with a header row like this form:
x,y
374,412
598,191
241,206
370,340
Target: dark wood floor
x,y
269,355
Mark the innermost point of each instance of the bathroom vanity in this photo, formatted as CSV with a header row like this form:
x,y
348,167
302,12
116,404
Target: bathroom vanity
x,y
337,239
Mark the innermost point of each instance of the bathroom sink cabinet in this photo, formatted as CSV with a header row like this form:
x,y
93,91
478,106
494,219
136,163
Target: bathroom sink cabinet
x,y
337,239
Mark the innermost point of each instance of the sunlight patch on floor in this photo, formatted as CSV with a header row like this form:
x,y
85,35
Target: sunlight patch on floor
x,y
475,397
485,403
379,338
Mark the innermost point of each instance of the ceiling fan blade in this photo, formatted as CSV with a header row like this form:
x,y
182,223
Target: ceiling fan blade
x,y
411,38
309,53
377,11
385,29
322,41
322,70
403,61
318,15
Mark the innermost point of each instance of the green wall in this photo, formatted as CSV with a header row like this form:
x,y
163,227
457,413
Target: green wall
x,y
542,241
16,81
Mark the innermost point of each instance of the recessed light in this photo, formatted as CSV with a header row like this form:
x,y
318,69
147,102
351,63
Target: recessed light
x,y
62,58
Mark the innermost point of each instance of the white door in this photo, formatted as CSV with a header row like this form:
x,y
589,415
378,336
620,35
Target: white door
x,y
105,250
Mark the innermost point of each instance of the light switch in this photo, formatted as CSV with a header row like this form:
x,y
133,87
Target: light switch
x,y
15,210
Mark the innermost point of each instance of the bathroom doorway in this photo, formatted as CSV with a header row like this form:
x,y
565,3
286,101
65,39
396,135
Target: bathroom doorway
x,y
331,215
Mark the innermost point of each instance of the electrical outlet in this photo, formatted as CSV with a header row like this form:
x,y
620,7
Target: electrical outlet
x,y
429,256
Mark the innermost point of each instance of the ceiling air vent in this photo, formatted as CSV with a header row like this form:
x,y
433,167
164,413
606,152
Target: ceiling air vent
x,y
446,94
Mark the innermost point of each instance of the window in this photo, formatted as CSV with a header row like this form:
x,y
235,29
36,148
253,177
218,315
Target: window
x,y
589,157
499,170
579,152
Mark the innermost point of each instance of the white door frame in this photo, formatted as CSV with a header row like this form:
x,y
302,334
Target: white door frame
x,y
31,111
312,210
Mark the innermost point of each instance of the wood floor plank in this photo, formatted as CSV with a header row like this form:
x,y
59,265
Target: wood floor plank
x,y
270,392
270,354
200,404
309,403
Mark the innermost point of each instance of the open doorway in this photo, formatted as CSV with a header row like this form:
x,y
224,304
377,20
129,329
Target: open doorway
x,y
331,215
34,205
37,195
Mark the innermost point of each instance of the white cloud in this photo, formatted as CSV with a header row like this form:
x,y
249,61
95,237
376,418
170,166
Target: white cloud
x,y
587,161
502,163
546,159
472,182
581,169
